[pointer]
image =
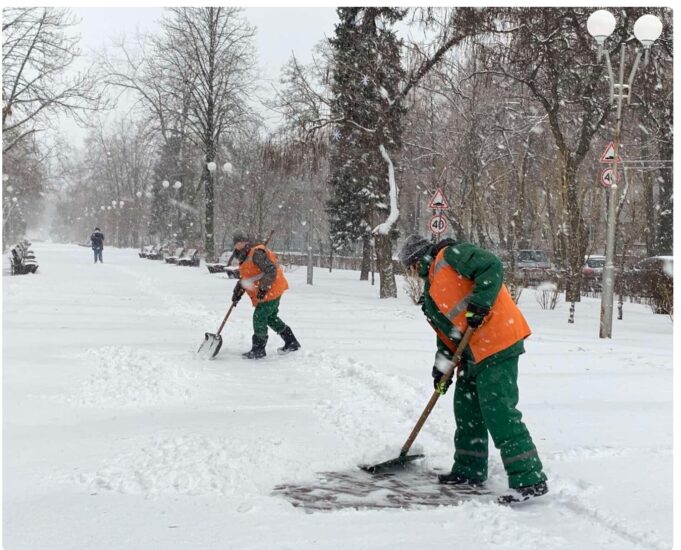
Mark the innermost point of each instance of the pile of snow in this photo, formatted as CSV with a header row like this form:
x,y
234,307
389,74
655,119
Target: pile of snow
x,y
190,464
128,377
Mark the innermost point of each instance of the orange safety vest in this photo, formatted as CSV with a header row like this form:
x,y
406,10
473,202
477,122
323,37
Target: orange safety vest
x,y
504,325
251,275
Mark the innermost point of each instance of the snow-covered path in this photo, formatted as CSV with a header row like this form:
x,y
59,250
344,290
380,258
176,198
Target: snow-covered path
x,y
116,436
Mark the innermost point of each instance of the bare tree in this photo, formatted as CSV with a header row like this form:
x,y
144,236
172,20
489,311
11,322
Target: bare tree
x,y
39,80
105,184
161,79
217,43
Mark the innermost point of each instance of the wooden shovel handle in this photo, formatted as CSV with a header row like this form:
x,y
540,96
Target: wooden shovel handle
x,y
436,395
229,311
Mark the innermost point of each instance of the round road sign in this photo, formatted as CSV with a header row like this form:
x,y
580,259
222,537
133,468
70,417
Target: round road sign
x,y
607,177
438,224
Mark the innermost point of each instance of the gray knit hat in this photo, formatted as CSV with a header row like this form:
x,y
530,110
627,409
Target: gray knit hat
x,y
413,249
239,236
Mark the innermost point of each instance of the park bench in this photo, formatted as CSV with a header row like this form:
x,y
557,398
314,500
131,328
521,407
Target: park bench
x,y
151,252
191,258
232,272
145,251
158,253
22,259
221,265
173,259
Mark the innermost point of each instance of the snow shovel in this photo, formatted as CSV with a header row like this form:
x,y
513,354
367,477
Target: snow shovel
x,y
212,343
404,459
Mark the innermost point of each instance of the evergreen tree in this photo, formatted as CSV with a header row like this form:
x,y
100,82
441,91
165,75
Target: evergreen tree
x,y
367,74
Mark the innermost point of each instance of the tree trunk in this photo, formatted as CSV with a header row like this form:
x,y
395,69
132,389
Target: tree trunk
x,y
651,226
366,258
209,239
665,234
575,243
384,249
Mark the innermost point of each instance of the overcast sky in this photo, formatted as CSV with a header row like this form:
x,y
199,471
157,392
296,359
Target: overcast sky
x,y
280,31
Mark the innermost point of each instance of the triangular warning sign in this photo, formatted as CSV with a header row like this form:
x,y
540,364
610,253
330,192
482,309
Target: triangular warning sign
x,y
438,201
609,154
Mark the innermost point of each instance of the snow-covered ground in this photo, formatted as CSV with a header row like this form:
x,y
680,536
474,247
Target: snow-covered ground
x,y
117,437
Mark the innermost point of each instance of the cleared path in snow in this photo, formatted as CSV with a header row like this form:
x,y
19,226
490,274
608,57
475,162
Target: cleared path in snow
x,y
116,436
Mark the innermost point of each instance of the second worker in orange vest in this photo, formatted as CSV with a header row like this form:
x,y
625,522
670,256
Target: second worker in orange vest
x,y
463,287
262,278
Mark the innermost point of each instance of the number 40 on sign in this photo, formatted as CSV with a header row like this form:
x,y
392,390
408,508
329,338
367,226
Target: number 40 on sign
x,y
438,224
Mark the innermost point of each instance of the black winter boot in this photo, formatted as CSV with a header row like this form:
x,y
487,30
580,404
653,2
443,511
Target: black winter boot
x,y
258,351
455,479
290,342
524,493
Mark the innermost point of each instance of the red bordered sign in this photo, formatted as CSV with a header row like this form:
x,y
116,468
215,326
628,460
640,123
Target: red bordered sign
x,y
609,154
607,177
438,224
438,201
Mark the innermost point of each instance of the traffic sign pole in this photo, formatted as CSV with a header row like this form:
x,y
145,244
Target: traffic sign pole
x,y
608,282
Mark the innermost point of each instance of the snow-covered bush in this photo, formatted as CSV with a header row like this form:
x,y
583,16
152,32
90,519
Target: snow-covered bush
x,y
547,295
413,286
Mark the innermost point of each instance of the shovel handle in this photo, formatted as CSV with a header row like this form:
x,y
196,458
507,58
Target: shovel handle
x,y
229,311
436,395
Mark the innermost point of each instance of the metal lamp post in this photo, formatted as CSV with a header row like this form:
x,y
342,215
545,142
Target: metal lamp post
x,y
647,29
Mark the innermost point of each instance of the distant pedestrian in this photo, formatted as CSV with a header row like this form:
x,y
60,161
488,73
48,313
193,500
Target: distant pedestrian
x,y
463,287
262,278
97,240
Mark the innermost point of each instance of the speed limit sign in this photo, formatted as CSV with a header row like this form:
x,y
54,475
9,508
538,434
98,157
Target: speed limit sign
x,y
438,224
607,177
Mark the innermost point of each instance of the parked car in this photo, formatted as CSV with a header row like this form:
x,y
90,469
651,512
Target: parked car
x,y
593,266
652,278
532,259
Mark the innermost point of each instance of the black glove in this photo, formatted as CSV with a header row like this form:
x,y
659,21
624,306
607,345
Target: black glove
x,y
438,381
237,293
262,292
475,315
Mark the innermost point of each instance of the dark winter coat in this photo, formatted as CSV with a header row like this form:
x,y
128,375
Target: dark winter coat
x,y
97,239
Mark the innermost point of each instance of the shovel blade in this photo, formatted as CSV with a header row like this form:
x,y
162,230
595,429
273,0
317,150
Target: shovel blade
x,y
394,465
210,346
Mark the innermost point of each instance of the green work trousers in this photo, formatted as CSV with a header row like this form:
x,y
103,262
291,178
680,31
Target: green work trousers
x,y
266,314
485,401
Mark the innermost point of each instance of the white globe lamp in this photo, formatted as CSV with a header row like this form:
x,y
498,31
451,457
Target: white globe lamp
x,y
600,25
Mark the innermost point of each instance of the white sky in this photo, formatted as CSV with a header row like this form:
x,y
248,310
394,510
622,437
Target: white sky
x,y
280,31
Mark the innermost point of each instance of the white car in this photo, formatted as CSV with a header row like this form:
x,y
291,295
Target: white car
x,y
593,266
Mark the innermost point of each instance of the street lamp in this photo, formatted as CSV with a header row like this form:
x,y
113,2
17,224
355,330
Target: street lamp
x,y
647,29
